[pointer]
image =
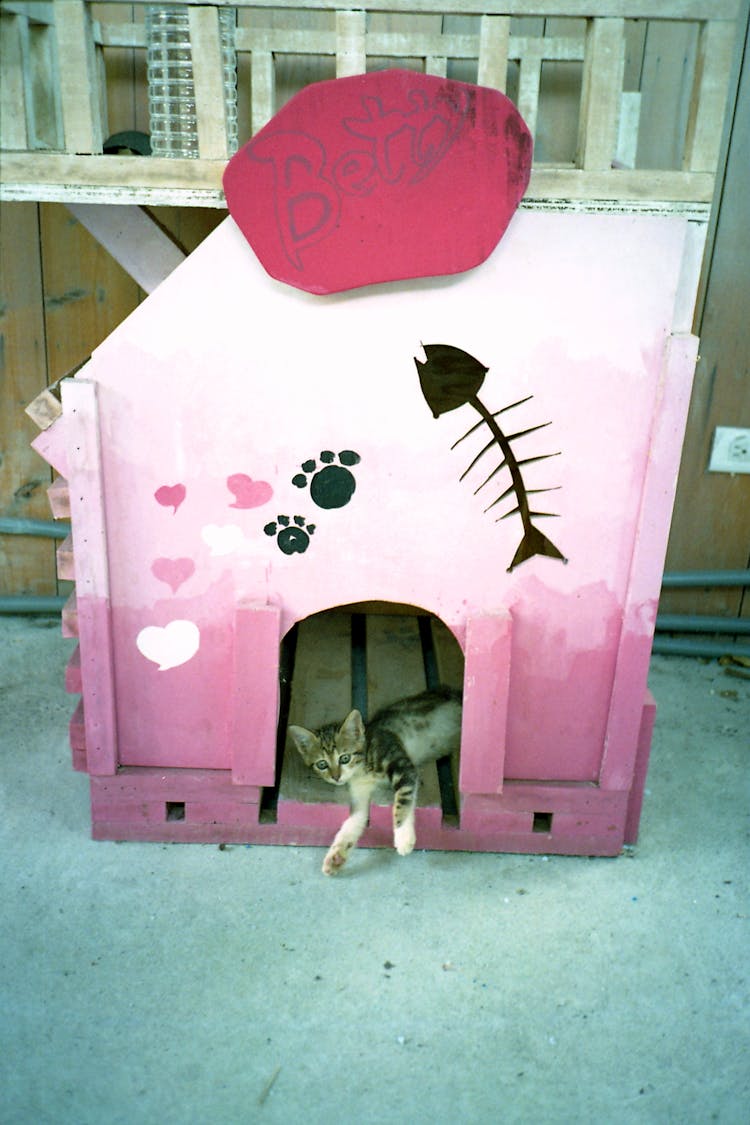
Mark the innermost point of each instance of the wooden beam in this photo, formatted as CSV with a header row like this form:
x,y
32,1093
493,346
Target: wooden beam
x,y
494,36
603,67
263,89
208,82
350,43
709,97
133,239
78,77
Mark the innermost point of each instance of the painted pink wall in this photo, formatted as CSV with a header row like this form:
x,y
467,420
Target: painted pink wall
x,y
223,371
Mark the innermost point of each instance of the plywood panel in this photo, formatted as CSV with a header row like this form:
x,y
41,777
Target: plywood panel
x,y
27,565
711,523
86,293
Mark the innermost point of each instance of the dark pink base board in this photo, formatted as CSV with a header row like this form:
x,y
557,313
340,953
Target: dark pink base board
x,y
140,804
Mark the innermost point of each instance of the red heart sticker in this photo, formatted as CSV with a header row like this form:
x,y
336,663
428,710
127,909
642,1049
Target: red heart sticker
x,y
380,177
173,571
170,496
248,493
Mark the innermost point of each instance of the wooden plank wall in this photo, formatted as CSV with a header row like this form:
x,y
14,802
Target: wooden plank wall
x,y
62,294
711,524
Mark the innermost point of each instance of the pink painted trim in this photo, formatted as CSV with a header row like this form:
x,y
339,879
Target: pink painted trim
x,y
255,698
91,573
485,706
647,563
635,798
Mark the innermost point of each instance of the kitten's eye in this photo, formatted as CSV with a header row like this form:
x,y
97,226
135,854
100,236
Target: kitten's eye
x,y
344,759
322,765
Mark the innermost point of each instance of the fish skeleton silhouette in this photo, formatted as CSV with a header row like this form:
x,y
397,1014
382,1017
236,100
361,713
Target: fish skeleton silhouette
x,y
450,378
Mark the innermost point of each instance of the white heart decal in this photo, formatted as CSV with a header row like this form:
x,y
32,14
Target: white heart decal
x,y
222,540
171,646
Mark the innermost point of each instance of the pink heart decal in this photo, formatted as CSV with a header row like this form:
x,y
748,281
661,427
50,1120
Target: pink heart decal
x,y
248,493
173,571
170,495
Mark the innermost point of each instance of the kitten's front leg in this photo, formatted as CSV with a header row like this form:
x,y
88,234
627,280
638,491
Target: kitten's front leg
x,y
352,828
404,802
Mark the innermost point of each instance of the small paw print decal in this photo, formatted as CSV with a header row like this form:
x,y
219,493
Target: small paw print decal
x,y
332,485
292,535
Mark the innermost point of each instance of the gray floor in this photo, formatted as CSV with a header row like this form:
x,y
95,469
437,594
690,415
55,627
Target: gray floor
x,y
145,983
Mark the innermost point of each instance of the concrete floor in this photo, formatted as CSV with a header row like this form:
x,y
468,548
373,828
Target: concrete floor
x,y
145,983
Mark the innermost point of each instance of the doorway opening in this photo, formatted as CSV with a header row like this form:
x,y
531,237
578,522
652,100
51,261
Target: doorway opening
x,y
366,656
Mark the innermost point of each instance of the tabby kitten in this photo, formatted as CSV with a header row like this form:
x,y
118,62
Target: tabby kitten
x,y
394,743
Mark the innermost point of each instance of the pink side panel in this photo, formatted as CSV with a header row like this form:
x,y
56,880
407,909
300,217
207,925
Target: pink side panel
x,y
485,707
255,697
634,654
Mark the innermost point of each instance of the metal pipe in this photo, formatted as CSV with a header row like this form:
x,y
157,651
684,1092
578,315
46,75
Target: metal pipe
x,y
696,646
675,579
701,623
45,529
31,603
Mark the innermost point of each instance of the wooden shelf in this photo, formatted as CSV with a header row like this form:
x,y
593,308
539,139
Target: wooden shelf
x,y
62,89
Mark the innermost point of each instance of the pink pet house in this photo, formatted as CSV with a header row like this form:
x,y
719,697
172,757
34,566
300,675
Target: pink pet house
x,y
271,437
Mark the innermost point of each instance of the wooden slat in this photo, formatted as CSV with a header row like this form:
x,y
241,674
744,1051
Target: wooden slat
x,y
494,35
448,655
603,67
395,670
44,409
81,107
43,94
709,96
58,495
633,9
13,102
264,89
208,82
528,84
321,693
437,65
395,664
66,560
350,43
70,616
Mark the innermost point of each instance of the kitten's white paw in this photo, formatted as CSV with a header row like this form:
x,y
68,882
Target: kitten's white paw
x,y
334,861
404,839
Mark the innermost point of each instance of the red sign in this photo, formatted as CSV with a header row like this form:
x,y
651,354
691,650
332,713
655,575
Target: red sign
x,y
380,177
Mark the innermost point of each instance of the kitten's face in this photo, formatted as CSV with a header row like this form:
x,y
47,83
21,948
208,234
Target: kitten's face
x,y
334,752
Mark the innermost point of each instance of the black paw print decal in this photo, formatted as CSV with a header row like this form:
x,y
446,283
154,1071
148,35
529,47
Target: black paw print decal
x,y
332,485
292,535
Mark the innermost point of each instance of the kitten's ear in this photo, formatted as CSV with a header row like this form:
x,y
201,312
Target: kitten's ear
x,y
353,726
305,741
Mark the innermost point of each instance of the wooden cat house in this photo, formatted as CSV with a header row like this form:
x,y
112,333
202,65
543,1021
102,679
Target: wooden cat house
x,y
306,475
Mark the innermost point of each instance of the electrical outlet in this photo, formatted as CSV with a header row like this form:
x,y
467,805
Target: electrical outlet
x,y
731,451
